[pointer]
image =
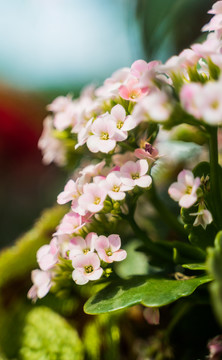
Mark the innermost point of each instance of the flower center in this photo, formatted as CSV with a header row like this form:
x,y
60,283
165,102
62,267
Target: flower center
x,y
88,269
85,251
189,190
97,201
135,176
104,136
119,124
215,104
149,148
109,252
116,188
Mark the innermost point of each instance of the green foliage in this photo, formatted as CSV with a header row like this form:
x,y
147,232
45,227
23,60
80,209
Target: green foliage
x,y
214,263
47,336
20,259
151,291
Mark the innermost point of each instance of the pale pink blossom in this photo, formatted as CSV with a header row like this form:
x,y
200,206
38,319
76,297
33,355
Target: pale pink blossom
x,y
115,188
134,173
108,248
203,218
138,68
185,189
60,104
188,95
216,8
147,77
41,284
210,102
93,170
69,193
123,123
79,246
130,90
47,255
66,118
111,85
84,133
152,315
87,268
156,107
53,149
103,134
71,223
215,24
209,47
93,198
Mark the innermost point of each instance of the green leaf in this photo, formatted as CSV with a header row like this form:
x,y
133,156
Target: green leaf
x,y
195,266
151,291
46,335
214,263
20,259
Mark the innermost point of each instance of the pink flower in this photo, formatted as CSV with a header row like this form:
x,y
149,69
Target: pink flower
x,y
131,90
188,96
210,102
155,106
87,267
47,255
41,284
69,193
148,152
109,248
114,186
138,68
203,218
79,246
93,170
103,138
184,190
133,173
123,123
53,149
216,8
60,103
72,192
93,198
71,223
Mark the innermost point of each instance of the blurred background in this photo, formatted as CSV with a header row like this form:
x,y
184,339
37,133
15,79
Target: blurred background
x,y
55,47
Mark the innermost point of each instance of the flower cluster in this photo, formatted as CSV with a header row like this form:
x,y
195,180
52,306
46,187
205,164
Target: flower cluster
x,y
85,255
120,125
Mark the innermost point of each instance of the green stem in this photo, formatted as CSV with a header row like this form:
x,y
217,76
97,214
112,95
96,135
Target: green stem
x,y
153,248
176,318
215,175
168,217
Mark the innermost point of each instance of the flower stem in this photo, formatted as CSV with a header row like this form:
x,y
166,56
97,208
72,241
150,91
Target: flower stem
x,y
215,175
168,217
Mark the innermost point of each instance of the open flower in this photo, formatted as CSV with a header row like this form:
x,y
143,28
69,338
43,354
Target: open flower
x,y
87,267
123,123
79,246
93,197
134,173
184,190
115,187
47,255
103,134
108,248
